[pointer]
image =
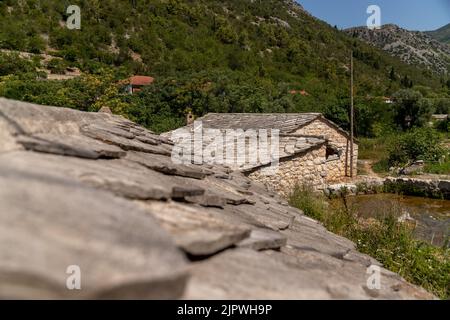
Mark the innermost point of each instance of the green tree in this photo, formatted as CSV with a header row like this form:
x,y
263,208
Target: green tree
x,y
411,109
392,75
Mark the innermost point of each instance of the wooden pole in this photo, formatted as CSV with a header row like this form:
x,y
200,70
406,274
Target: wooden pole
x,y
351,115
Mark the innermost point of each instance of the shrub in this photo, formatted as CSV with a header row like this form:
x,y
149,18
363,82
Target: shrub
x,y
442,106
57,66
418,144
442,126
13,64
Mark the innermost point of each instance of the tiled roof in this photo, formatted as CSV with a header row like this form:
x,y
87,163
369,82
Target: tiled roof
x,y
141,80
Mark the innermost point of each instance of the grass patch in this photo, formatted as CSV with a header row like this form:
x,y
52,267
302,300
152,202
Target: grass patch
x,y
438,168
384,238
375,149
372,148
362,170
381,166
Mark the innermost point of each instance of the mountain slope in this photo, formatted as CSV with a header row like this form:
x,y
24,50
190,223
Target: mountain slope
x,y
206,56
275,38
441,34
412,47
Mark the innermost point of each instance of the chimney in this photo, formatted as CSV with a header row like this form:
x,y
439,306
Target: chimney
x,y
189,118
105,110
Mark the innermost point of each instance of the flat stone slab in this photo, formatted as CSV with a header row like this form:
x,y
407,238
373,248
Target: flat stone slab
x,y
195,230
71,145
128,144
120,177
164,165
261,239
247,274
290,274
48,223
208,200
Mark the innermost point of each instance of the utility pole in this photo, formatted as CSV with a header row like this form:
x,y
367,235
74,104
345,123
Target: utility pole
x,y
351,114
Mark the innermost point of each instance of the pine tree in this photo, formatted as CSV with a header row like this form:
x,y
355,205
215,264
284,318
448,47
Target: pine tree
x,y
392,74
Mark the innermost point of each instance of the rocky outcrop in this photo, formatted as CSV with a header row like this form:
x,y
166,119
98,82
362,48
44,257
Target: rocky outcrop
x,y
412,47
96,191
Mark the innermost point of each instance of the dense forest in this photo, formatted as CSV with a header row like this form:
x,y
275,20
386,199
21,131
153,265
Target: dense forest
x,y
206,56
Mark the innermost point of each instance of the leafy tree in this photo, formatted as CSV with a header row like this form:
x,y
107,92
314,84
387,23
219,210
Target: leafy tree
x,y
411,109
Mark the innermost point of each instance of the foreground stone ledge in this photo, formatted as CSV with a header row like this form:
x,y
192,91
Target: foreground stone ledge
x,y
97,191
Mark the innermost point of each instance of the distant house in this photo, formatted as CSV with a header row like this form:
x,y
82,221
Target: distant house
x,y
136,83
301,92
439,117
312,150
388,100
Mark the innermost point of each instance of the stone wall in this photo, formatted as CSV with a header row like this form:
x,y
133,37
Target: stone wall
x,y
431,188
337,166
308,168
335,169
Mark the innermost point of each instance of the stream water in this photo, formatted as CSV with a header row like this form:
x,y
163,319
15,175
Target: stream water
x,y
431,217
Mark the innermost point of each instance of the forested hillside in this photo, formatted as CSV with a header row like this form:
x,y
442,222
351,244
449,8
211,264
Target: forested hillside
x,y
206,56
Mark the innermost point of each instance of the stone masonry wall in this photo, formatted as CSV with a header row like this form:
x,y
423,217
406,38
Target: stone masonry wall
x,y
308,168
337,167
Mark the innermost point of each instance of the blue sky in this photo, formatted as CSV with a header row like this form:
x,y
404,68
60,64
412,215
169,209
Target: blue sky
x,y
422,15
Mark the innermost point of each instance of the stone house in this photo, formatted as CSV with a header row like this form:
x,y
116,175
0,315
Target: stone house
x,y
312,150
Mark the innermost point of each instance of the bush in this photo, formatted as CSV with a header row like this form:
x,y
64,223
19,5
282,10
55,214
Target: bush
x,y
13,64
417,144
442,126
442,106
57,66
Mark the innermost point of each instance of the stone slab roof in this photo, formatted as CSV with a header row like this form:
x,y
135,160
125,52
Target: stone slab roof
x,y
285,122
100,192
289,146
